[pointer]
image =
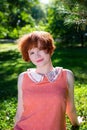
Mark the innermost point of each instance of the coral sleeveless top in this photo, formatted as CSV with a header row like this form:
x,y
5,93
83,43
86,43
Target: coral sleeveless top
x,y
44,102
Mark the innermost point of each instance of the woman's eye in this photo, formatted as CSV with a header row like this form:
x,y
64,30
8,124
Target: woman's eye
x,y
31,53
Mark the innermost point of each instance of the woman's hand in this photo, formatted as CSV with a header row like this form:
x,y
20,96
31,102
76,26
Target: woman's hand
x,y
76,127
80,119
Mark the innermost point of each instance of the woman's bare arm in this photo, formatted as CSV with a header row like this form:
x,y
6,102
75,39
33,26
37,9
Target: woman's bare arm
x,y
71,110
20,99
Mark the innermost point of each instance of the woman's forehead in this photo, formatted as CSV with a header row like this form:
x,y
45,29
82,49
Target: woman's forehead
x,y
34,48
35,45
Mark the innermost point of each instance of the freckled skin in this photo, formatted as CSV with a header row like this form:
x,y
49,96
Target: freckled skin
x,y
41,59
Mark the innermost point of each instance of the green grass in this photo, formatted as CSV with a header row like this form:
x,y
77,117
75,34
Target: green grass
x,y
11,64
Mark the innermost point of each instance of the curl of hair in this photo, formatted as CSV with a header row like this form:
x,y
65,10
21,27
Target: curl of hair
x,y
41,39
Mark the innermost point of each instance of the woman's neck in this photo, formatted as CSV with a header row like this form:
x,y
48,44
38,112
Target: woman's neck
x,y
44,69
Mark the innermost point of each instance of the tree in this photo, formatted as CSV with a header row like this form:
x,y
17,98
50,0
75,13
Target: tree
x,y
17,13
37,13
68,19
75,14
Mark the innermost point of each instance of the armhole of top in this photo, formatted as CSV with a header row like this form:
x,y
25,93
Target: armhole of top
x,y
22,79
65,77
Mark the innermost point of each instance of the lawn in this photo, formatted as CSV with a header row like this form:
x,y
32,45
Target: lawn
x,y
11,64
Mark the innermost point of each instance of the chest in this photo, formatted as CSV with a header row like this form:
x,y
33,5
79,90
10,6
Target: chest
x,y
52,91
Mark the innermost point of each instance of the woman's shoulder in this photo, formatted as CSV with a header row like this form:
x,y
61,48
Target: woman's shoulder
x,y
22,74
69,74
20,78
68,71
70,77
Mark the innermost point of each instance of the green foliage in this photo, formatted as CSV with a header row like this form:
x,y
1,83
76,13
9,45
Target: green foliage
x,y
68,21
17,14
37,13
11,65
14,33
28,28
7,111
81,98
65,20
80,101
3,32
27,18
56,22
74,8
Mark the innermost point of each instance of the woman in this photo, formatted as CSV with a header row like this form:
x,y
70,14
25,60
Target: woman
x,y
45,93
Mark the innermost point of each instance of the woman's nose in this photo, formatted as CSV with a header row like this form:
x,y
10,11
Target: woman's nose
x,y
37,54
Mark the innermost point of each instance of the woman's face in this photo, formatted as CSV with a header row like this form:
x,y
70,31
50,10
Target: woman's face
x,y
39,57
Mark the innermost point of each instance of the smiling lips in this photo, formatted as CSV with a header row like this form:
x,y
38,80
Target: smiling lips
x,y
40,60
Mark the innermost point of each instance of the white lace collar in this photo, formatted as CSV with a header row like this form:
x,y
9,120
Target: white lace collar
x,y
37,77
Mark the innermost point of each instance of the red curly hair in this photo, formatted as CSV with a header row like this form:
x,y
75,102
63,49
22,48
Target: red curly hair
x,y
41,39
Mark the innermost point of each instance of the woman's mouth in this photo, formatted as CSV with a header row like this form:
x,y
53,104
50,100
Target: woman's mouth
x,y
40,60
